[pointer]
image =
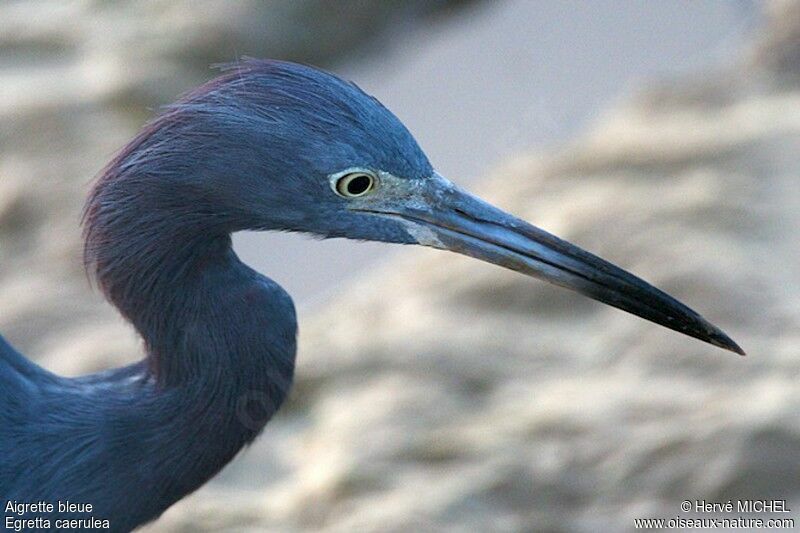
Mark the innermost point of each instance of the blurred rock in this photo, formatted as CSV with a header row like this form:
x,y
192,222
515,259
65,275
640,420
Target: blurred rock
x,y
778,51
441,394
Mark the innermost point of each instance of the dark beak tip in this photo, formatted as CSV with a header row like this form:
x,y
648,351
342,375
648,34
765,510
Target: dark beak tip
x,y
735,348
718,338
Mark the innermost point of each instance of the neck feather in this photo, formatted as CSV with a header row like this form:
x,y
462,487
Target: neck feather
x,y
220,342
171,271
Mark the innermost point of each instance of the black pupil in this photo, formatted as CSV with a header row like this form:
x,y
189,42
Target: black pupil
x,y
358,185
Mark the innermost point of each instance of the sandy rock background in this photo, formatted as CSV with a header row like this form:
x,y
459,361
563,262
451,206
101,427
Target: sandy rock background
x,y
440,394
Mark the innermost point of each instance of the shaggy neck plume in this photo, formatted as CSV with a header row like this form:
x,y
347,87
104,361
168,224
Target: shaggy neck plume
x,y
164,259
220,338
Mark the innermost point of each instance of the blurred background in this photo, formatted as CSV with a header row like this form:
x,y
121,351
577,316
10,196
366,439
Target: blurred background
x,y
664,136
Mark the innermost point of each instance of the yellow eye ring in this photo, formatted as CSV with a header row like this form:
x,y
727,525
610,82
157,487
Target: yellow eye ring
x,y
355,184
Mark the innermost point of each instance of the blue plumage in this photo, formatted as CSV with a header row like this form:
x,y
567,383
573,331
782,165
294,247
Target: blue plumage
x,y
268,145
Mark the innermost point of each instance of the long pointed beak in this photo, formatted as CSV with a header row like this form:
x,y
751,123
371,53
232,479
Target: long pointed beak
x,y
452,219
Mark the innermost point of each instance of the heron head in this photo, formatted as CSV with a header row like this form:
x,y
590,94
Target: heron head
x,y
275,145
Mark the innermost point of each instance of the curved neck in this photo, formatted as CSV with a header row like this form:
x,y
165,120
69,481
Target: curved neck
x,y
220,340
203,314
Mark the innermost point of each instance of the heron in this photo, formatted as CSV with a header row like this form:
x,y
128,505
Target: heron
x,y
266,145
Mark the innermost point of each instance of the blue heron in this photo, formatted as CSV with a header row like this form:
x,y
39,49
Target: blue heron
x,y
267,145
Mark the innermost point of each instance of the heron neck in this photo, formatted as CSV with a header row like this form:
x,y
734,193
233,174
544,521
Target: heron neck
x,y
220,342
203,314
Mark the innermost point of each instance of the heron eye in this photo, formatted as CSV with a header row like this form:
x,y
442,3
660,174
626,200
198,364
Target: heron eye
x,y
355,184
